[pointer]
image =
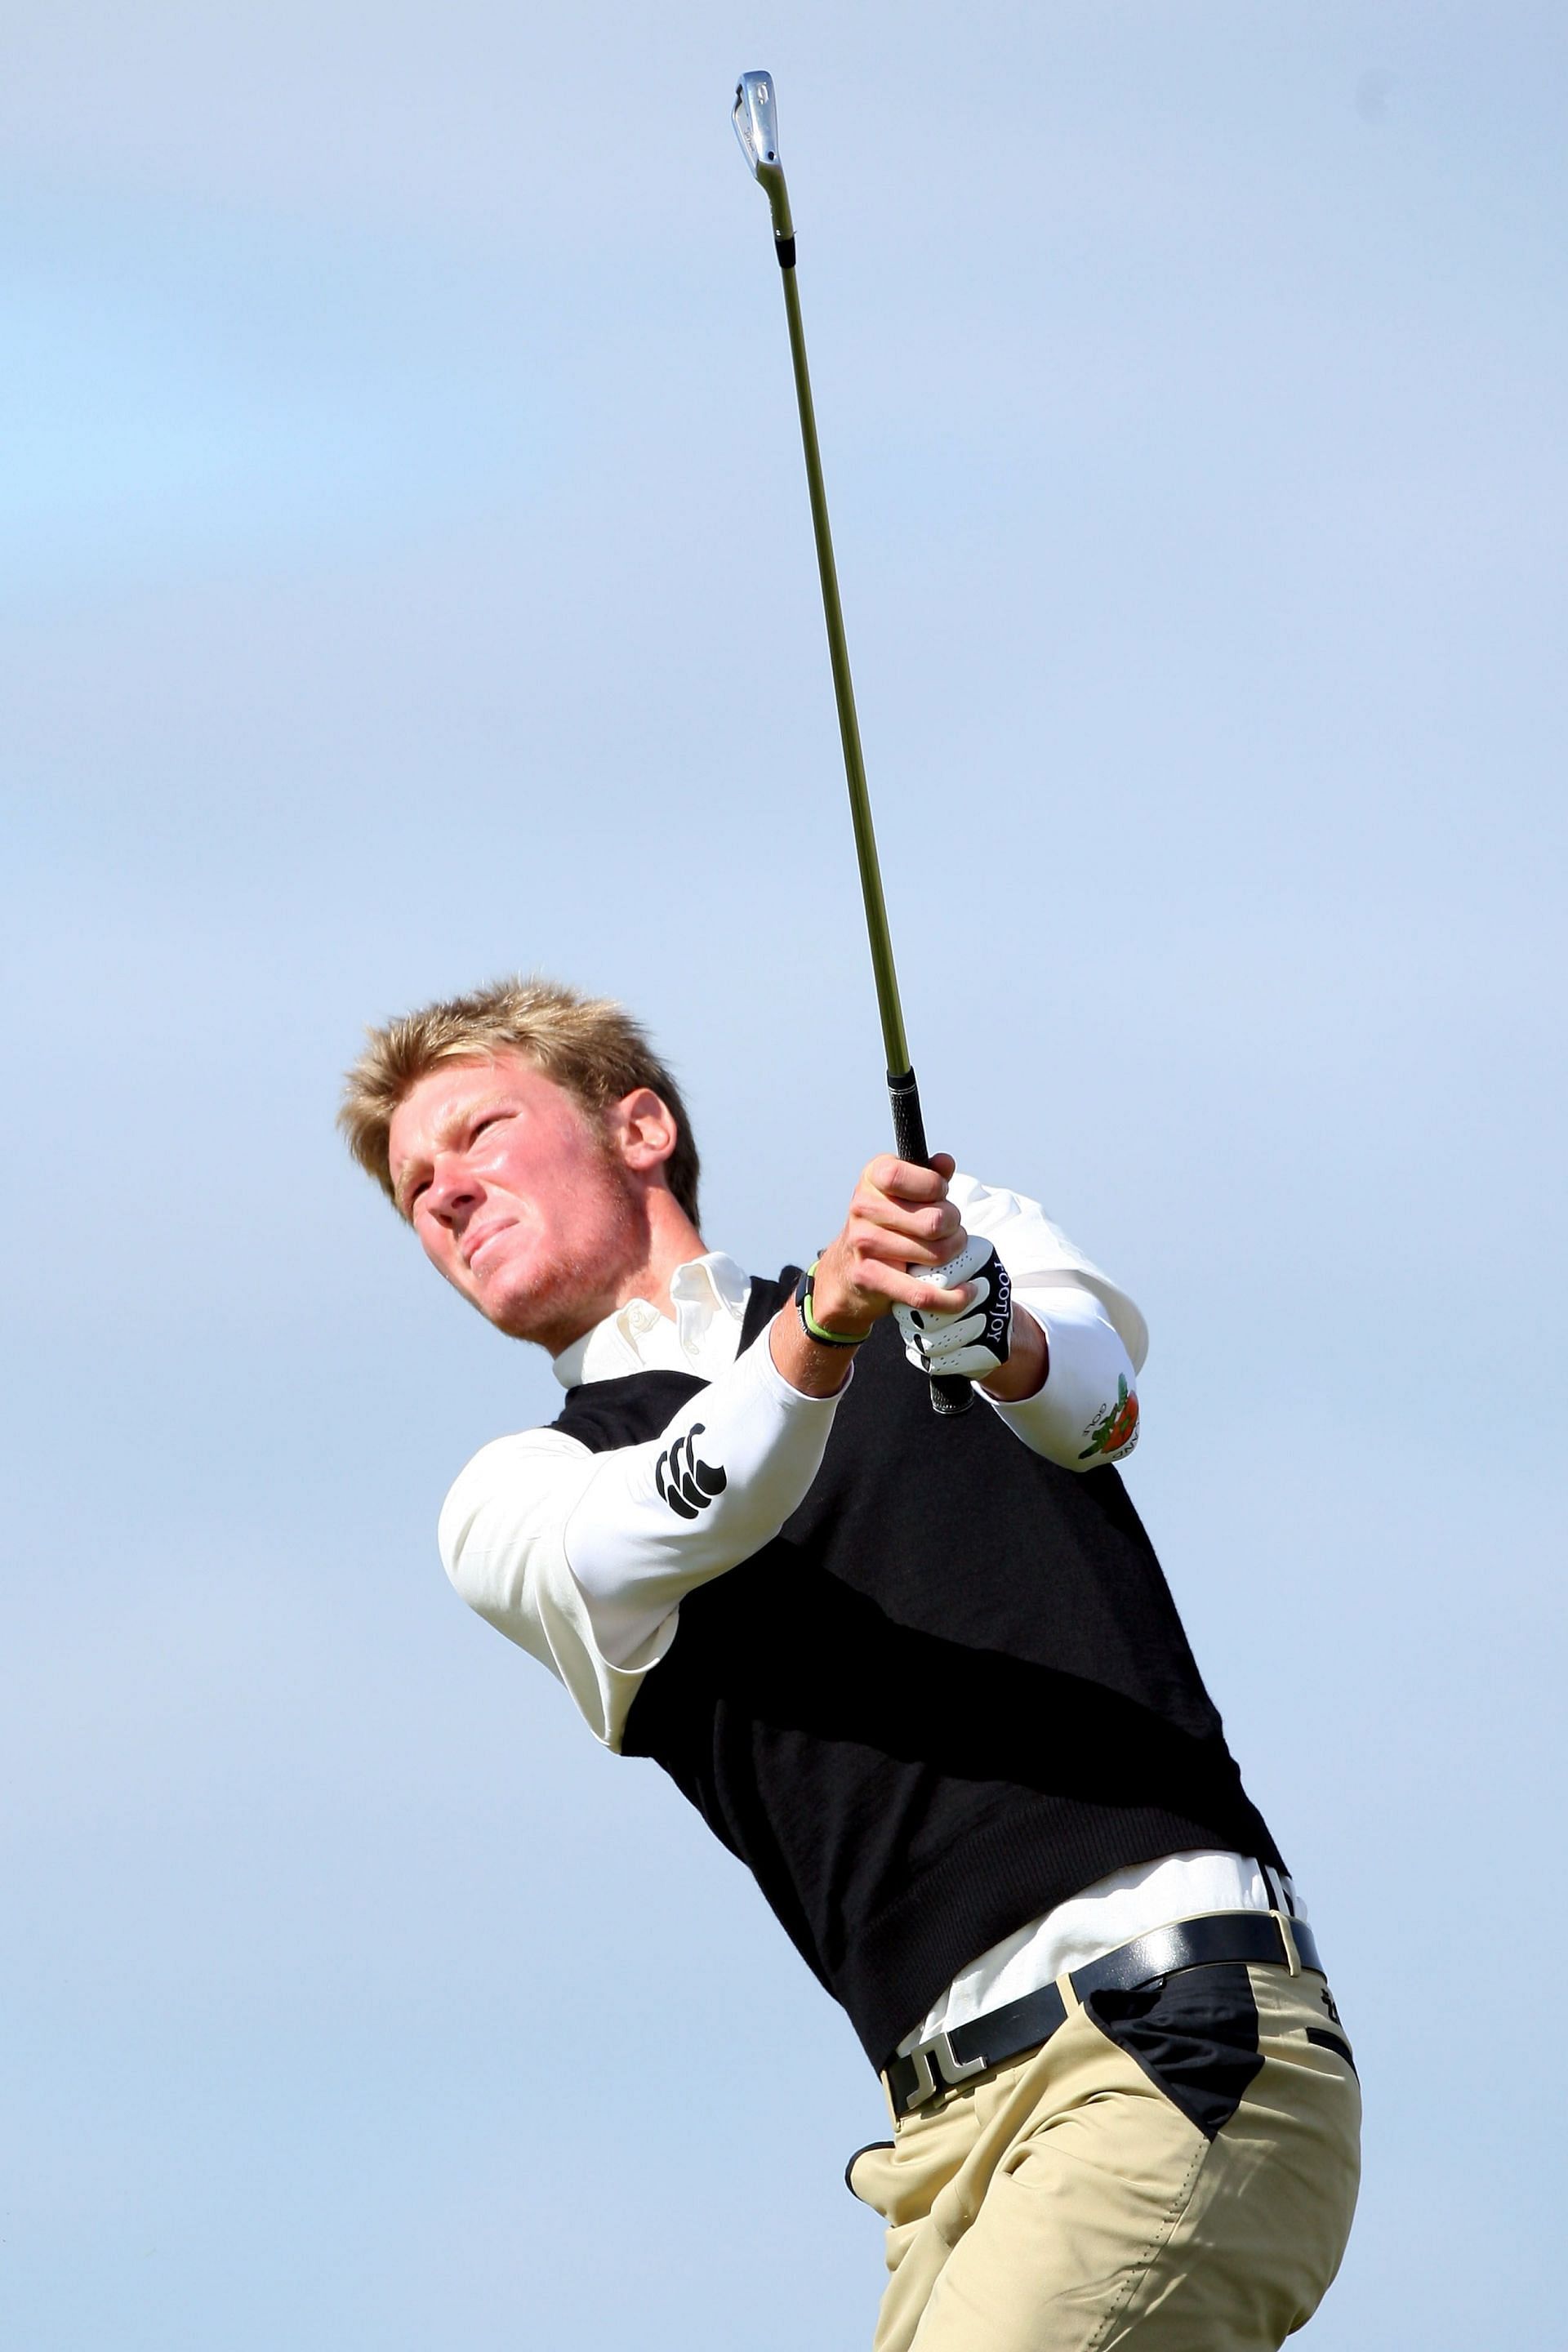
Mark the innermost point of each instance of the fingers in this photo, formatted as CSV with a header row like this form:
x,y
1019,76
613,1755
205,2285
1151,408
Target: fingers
x,y
901,1286
906,1180
865,1273
931,1300
909,1205
901,1222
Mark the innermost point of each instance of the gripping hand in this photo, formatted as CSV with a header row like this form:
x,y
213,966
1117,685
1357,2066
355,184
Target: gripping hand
x,y
973,1342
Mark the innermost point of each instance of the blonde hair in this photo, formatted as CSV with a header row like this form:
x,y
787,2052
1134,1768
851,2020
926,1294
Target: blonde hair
x,y
588,1044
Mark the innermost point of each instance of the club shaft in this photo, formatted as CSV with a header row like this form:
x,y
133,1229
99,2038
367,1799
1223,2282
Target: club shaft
x,y
895,1044
949,1396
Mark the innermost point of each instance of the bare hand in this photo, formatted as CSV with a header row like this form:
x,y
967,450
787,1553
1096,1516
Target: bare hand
x,y
899,1220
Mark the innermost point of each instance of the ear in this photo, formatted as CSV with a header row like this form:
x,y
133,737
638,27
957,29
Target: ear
x,y
643,1129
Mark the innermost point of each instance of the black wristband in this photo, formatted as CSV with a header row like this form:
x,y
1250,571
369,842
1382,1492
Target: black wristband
x,y
808,1322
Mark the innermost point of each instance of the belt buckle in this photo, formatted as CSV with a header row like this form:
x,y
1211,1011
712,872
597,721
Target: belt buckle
x,y
953,2069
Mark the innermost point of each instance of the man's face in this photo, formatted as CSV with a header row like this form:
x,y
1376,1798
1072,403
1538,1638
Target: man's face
x,y
518,1195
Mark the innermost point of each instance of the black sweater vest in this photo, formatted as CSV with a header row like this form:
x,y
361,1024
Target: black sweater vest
x,y
951,1693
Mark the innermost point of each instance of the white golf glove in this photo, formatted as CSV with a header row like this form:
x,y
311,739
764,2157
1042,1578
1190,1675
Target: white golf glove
x,y
973,1343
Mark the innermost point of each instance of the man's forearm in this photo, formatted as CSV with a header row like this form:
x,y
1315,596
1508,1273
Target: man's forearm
x,y
815,1370
536,1528
718,1483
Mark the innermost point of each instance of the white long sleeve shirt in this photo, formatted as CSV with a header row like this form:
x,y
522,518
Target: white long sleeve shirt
x,y
578,1558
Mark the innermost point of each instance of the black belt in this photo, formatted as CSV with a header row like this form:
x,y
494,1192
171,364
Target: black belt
x,y
947,2059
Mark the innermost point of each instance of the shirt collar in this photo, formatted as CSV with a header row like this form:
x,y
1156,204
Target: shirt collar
x,y
708,1295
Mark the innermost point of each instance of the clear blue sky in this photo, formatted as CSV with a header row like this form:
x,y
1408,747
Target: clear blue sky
x,y
405,576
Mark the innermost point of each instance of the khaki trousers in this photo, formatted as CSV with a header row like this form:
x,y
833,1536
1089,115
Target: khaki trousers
x,y
1174,2170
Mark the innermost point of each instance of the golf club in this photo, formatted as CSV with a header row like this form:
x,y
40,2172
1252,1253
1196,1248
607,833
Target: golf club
x,y
756,128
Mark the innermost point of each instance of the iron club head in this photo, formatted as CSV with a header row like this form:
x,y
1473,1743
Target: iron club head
x,y
755,117
756,120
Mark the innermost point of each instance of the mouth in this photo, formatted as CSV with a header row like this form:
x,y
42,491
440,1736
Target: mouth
x,y
475,1245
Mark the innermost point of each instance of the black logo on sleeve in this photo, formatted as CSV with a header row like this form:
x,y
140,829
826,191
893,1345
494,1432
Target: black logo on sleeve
x,y
686,1485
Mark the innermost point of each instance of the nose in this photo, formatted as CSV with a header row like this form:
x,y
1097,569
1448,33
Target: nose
x,y
452,1194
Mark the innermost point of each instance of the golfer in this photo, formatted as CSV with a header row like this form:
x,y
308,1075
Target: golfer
x,y
925,1677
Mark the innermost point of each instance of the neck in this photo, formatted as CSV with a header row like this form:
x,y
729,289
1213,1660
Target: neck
x,y
665,1238
672,1241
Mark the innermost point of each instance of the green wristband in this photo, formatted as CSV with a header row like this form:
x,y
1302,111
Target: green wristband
x,y
809,1324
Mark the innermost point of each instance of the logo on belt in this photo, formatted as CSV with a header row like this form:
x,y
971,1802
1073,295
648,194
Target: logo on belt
x,y
686,1485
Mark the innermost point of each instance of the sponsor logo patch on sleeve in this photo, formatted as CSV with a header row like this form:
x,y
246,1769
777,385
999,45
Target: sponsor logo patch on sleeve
x,y
1115,1432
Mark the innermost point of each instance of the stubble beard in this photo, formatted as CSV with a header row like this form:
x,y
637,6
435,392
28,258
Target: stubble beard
x,y
574,1289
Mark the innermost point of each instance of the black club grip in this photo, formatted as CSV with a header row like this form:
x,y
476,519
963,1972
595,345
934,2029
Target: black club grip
x,y
948,1396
